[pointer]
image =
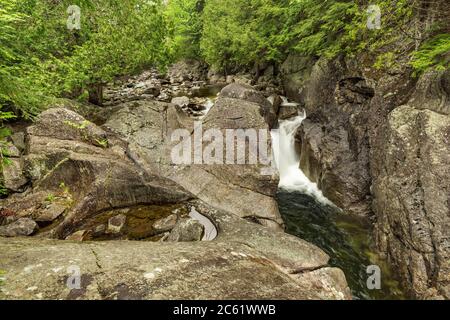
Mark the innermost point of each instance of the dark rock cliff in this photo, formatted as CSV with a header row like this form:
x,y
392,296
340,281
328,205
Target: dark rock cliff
x,y
377,144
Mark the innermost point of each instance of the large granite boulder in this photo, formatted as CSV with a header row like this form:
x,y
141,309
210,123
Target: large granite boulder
x,y
148,127
20,227
247,93
85,170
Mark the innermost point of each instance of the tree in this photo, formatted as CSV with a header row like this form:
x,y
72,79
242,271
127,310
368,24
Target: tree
x,y
116,38
185,24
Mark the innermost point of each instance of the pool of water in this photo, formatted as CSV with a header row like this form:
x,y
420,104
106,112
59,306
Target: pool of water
x,y
346,240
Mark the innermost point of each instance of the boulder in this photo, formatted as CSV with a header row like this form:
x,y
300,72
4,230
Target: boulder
x,y
18,228
18,139
63,124
152,90
247,93
165,224
276,102
69,161
51,212
13,176
186,229
288,111
181,101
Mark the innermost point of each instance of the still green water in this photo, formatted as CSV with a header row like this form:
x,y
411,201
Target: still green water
x,y
346,240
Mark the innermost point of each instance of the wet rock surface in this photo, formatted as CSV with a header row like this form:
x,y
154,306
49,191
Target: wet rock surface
x,y
377,145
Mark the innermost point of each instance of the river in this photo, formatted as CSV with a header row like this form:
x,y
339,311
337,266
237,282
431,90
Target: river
x,y
312,217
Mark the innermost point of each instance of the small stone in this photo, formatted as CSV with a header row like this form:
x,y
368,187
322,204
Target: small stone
x,y
51,213
80,236
20,227
181,101
99,230
154,91
166,224
18,140
13,177
187,229
116,224
12,151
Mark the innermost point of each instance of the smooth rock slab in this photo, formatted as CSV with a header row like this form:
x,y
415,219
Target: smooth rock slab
x,y
146,270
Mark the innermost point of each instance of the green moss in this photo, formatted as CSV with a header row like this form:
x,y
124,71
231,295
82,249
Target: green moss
x,y
50,198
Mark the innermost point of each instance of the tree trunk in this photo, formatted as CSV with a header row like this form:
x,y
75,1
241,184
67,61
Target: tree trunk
x,y
96,94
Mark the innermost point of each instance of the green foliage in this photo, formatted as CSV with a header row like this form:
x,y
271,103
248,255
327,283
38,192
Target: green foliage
x,y
185,24
50,198
434,53
12,90
102,142
80,126
48,60
238,33
41,60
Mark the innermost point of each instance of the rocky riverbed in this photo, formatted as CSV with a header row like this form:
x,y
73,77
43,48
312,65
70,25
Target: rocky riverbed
x,y
98,191
96,187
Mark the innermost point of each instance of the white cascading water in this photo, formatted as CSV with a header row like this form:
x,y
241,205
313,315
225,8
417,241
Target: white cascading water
x,y
208,105
287,161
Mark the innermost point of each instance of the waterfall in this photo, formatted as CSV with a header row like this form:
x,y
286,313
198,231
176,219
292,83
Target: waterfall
x,y
287,161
